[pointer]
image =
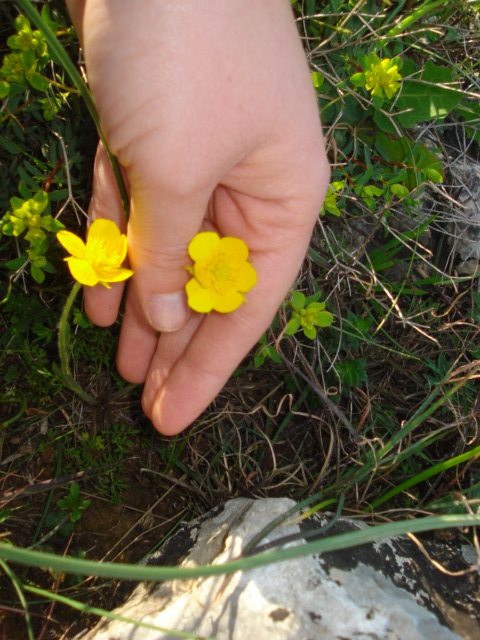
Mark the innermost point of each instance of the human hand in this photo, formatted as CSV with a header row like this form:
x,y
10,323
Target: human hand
x,y
210,110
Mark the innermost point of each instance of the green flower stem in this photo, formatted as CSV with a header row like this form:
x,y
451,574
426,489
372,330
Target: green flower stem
x,y
63,87
60,54
63,347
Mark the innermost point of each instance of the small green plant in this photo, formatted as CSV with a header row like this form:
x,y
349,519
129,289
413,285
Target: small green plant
x,y
264,351
381,78
29,56
105,453
73,503
70,510
308,314
330,203
352,372
29,215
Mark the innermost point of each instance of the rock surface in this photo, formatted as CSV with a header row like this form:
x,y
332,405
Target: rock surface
x,y
381,591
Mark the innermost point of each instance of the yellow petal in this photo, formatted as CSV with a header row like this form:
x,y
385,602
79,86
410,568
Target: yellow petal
x,y
105,234
72,243
199,298
227,302
104,228
245,277
234,248
115,249
204,246
117,274
82,271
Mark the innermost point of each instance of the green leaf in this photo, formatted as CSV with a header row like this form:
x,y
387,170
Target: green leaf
x,y
428,97
377,102
4,89
293,325
310,332
37,274
16,263
371,191
384,122
49,268
358,79
433,73
56,225
331,208
28,60
7,229
415,156
75,515
399,190
273,355
258,360
10,146
24,191
324,319
298,300
74,491
56,196
317,79
38,82
47,17
314,298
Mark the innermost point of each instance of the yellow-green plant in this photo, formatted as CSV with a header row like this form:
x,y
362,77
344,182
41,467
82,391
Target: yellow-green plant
x,y
381,78
308,314
30,217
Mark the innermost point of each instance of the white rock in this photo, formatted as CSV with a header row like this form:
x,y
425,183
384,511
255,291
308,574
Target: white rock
x,y
312,597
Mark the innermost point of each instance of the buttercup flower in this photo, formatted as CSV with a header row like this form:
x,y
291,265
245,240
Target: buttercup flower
x,y
99,260
383,76
221,273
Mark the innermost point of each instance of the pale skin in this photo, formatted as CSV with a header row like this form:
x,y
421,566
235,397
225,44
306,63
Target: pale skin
x,y
210,110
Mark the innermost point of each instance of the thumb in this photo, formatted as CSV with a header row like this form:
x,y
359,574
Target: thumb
x,y
161,226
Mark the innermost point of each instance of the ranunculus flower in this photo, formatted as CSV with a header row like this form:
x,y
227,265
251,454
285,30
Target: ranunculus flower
x,y
221,273
99,261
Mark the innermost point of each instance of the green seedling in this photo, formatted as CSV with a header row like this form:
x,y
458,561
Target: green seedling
x,y
73,503
308,314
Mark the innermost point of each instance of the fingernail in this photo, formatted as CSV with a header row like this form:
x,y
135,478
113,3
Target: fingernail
x,y
168,311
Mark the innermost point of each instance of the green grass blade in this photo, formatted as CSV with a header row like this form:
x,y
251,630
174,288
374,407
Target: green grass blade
x,y
428,473
140,573
87,609
19,588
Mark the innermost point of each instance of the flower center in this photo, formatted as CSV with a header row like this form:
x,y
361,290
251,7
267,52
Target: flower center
x,y
216,275
383,78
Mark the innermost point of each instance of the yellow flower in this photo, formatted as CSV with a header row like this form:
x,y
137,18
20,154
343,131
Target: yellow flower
x,y
99,260
382,77
221,273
